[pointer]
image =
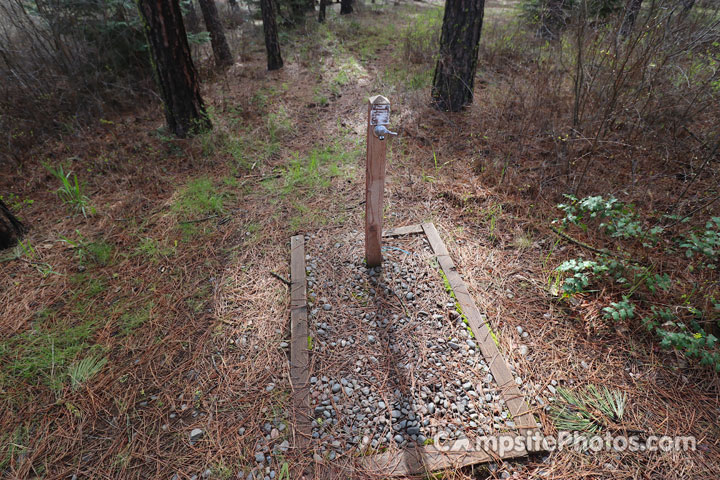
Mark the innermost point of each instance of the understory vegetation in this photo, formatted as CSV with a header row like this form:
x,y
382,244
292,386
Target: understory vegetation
x,y
578,195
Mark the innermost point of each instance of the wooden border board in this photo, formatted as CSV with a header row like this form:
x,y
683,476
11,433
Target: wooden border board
x,y
514,399
299,354
421,459
430,458
407,230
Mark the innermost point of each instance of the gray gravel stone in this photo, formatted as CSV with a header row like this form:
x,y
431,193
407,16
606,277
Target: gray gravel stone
x,y
195,435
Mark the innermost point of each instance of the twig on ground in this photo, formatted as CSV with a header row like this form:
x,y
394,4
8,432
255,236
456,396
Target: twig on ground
x,y
210,217
285,281
590,247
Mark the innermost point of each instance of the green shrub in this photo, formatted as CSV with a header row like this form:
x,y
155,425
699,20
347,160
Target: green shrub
x,y
683,327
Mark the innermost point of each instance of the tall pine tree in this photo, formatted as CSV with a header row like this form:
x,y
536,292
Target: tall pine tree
x,y
221,50
174,70
454,78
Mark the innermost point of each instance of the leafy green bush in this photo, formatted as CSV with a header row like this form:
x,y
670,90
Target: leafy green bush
x,y
616,218
704,243
682,327
581,271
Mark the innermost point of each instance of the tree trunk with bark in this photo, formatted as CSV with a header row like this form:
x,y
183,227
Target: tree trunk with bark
x,y
272,44
221,50
11,229
454,77
174,70
321,13
346,7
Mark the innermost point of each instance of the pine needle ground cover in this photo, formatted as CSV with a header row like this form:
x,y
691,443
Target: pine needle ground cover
x,y
147,338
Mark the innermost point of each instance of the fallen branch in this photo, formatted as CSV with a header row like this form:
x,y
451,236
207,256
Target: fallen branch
x,y
285,281
198,220
590,247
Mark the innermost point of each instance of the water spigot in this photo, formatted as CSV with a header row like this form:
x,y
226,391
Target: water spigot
x,y
380,131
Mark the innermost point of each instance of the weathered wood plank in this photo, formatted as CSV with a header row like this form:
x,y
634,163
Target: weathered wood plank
x,y
299,354
427,459
406,230
374,189
499,368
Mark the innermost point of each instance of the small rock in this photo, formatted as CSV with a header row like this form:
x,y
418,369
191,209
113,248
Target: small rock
x,y
260,457
327,307
195,435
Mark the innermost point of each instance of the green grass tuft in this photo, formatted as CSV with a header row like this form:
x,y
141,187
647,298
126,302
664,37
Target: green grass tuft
x,y
41,354
83,370
199,198
134,319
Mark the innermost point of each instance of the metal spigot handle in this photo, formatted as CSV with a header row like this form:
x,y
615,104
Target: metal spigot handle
x,y
380,131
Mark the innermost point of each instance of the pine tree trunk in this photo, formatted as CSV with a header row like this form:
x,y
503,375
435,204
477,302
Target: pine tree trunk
x,y
272,44
346,7
631,13
174,70
11,229
221,50
321,13
454,78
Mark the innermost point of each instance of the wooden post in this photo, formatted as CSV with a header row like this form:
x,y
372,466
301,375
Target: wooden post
x,y
378,114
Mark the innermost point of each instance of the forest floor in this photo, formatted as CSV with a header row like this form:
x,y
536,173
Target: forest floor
x,y
169,279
